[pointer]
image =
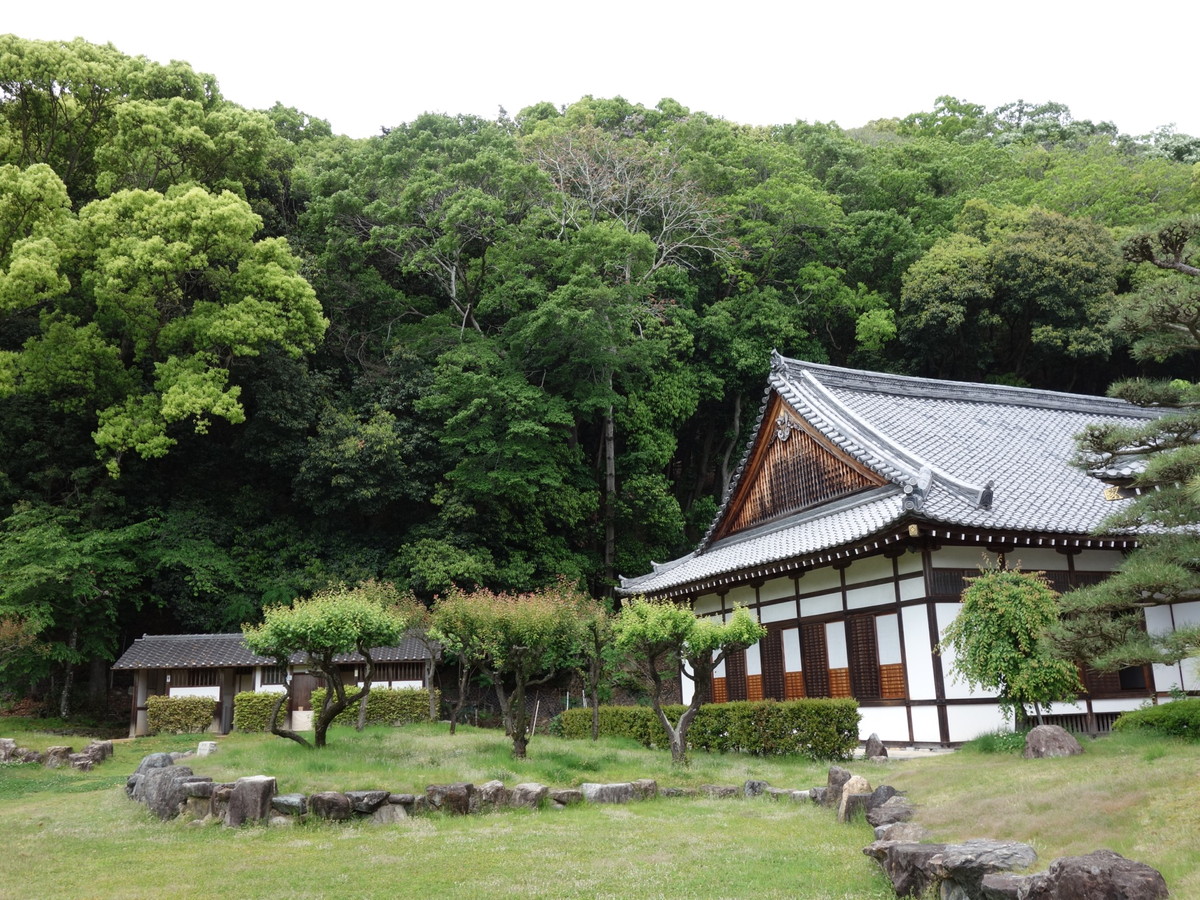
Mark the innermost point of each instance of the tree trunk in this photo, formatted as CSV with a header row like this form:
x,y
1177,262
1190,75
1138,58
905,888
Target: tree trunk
x,y
64,703
519,719
505,705
726,472
430,669
286,697
610,496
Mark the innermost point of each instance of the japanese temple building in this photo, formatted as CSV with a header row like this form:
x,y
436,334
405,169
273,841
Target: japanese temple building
x,y
862,504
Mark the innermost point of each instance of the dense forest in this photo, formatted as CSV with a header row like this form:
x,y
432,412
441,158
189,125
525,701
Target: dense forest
x,y
242,358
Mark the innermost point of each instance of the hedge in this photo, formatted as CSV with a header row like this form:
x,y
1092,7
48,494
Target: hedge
x,y
252,710
385,706
179,715
820,729
1179,718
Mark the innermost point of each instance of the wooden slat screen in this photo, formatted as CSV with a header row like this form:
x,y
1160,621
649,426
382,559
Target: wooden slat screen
x,y
891,682
793,685
839,683
771,653
754,687
735,675
719,694
816,660
864,657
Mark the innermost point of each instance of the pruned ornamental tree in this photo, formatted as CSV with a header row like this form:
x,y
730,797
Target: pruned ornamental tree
x,y
325,626
659,639
998,639
517,640
1105,623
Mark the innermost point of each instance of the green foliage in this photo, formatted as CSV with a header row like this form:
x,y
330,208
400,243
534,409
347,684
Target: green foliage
x,y
997,742
1179,718
386,706
179,715
999,640
252,710
817,729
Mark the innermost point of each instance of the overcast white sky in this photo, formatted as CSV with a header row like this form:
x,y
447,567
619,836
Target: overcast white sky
x,y
363,64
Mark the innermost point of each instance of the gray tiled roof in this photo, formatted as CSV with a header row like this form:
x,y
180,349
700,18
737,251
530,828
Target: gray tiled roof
x,y
979,456
206,651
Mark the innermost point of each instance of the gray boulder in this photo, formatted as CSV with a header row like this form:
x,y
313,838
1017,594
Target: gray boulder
x,y
290,804
907,865
389,814
454,799
331,805
621,792
57,757
856,791
961,867
366,802
1100,875
645,788
530,795
720,791
492,795
832,795
1050,741
8,746
562,797
753,787
164,790
874,748
905,832
894,809
154,761
250,800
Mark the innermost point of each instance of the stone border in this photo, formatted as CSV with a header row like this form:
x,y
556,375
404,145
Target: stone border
x,y
57,757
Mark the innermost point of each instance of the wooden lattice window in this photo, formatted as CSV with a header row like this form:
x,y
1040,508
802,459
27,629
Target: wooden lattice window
x,y
771,654
735,675
816,660
864,657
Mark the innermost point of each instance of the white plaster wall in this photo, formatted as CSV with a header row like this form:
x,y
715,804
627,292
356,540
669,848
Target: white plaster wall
x,y
870,569
707,603
876,595
1114,705
777,612
1098,560
887,636
753,661
270,688
835,644
742,595
776,589
817,606
889,722
910,562
967,722
213,691
912,588
919,673
962,557
925,725
820,580
1032,559
791,650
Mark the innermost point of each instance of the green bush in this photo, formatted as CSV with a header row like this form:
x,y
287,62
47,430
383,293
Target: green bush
x,y
179,715
385,706
997,742
1179,718
252,710
819,729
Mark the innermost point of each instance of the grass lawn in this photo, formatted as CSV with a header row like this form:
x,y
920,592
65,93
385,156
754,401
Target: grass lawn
x,y
1136,794
72,834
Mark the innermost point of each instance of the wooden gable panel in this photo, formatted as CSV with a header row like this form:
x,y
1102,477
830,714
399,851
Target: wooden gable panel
x,y
792,467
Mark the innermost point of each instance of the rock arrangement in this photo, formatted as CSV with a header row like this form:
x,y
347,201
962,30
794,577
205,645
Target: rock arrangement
x,y
57,757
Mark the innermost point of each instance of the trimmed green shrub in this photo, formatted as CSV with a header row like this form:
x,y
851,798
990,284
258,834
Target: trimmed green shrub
x,y
385,706
1179,718
819,729
997,742
252,710
179,715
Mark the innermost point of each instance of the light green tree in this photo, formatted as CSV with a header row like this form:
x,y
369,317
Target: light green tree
x,y
661,639
324,627
999,641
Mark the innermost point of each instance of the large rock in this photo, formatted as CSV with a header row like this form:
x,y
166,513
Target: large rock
x,y
389,814
832,795
366,802
154,761
330,805
290,804
250,800
164,790
562,797
492,795
621,792
57,757
530,794
1050,740
961,867
894,809
719,791
645,788
8,746
856,791
874,748
906,865
902,832
1101,875
753,787
454,799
